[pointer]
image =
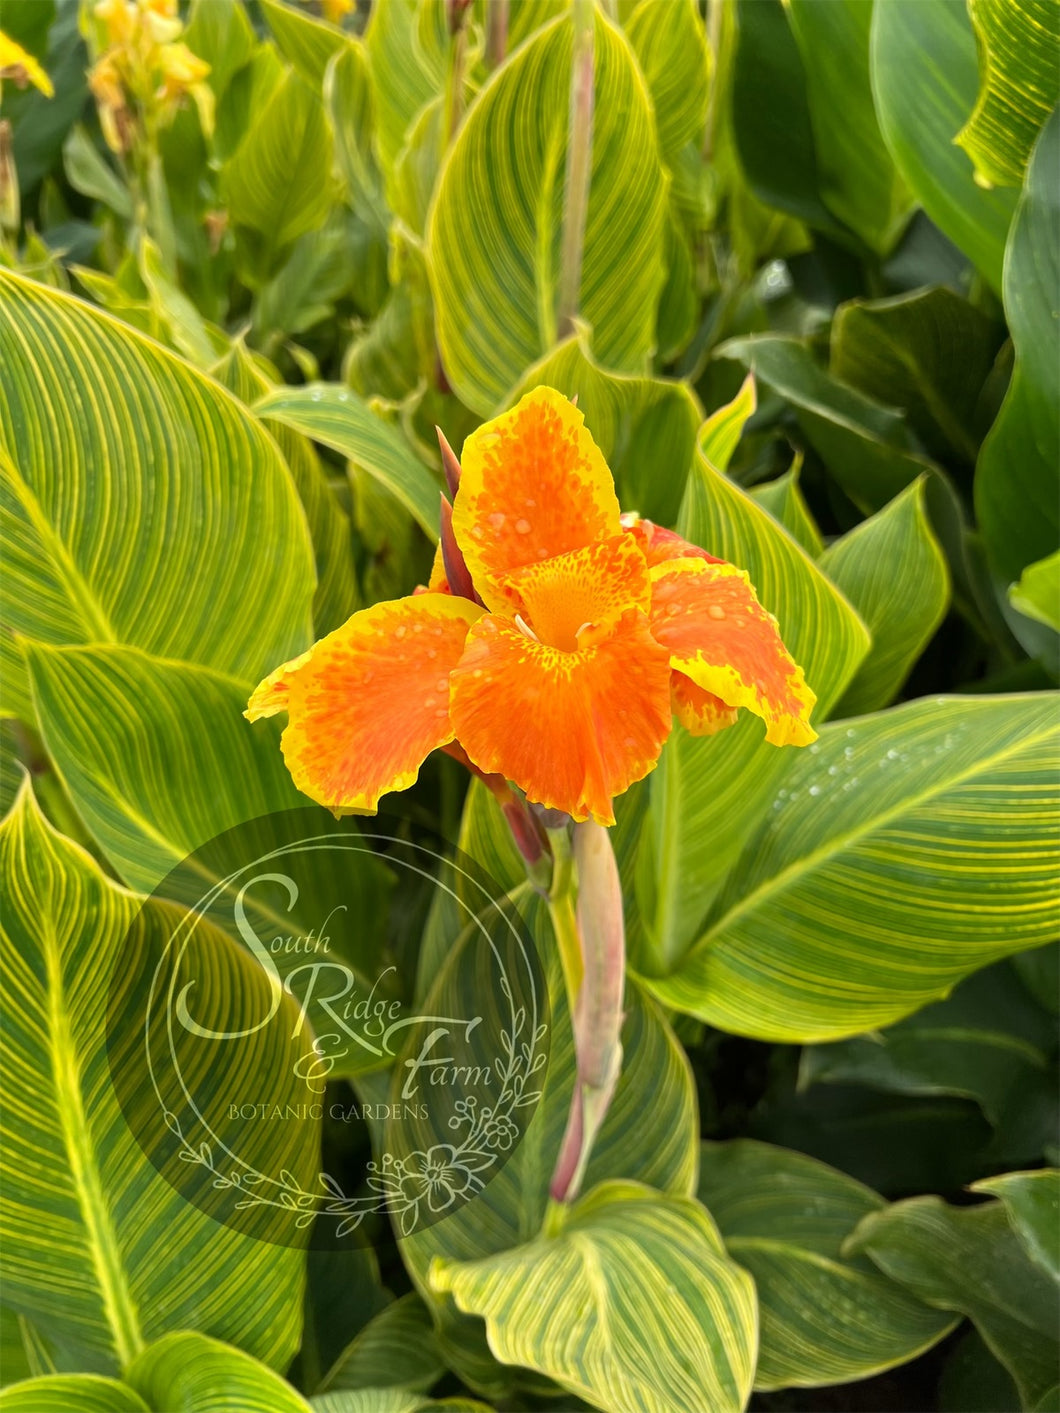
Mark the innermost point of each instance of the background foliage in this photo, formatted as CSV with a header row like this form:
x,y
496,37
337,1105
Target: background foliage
x,y
225,341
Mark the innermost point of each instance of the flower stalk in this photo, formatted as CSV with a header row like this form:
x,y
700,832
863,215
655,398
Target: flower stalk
x,y
579,166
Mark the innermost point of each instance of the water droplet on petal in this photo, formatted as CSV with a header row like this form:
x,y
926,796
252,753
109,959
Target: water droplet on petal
x,y
523,527
400,631
497,520
673,609
477,531
716,611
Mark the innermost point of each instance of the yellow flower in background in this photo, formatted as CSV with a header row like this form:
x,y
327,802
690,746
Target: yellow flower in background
x,y
144,72
21,68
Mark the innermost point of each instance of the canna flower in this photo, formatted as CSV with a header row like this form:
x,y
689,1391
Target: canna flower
x,y
553,646
18,65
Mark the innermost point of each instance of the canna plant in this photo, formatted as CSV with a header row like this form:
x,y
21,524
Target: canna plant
x,y
704,294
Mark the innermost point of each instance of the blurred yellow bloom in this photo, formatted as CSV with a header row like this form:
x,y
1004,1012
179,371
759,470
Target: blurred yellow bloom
x,y
21,68
336,10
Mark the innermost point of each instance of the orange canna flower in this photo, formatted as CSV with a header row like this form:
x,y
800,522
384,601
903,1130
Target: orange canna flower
x,y
578,635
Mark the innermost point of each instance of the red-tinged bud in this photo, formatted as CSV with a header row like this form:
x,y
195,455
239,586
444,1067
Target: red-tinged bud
x,y
450,464
457,574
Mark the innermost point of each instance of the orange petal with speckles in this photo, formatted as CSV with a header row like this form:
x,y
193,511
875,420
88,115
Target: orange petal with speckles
x,y
659,544
720,636
371,700
585,591
533,485
700,713
270,696
571,729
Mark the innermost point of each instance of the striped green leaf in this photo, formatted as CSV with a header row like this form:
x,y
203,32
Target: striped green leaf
x,y
1032,1202
1017,479
303,40
251,378
278,181
220,32
709,794
198,1375
970,1260
1018,41
396,1347
391,1400
670,42
159,761
337,418
494,234
645,427
892,570
73,1393
924,83
784,500
142,503
633,1305
900,853
825,1319
99,1249
406,65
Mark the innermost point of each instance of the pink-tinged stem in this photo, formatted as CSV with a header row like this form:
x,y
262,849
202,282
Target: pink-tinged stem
x,y
579,166
597,1007
496,31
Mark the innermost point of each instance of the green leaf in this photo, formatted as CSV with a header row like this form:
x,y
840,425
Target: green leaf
x,y
924,82
892,570
278,181
971,1261
348,99
80,1192
771,119
935,820
91,174
406,70
855,175
987,1042
391,1400
709,794
866,446
825,1319
73,1393
395,1348
927,353
304,41
633,1305
1032,1202
199,1375
145,504
219,32
670,42
336,417
645,427
251,378
784,500
1018,42
1017,481
1037,595
493,240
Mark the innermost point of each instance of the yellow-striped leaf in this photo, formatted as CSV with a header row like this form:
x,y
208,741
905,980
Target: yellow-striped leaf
x,y
633,1305
142,503
645,427
406,66
784,500
1018,42
99,1248
670,42
396,1347
893,571
391,1400
199,1375
303,40
826,1319
337,418
1037,595
709,794
72,1393
494,234
251,378
901,852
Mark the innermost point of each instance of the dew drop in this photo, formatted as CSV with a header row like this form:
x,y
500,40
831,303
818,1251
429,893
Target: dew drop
x,y
815,789
497,520
530,503
716,611
673,609
432,652
400,631
442,711
477,532
443,684
523,527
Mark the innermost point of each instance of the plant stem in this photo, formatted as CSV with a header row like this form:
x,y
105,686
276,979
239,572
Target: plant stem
x,y
579,165
496,32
